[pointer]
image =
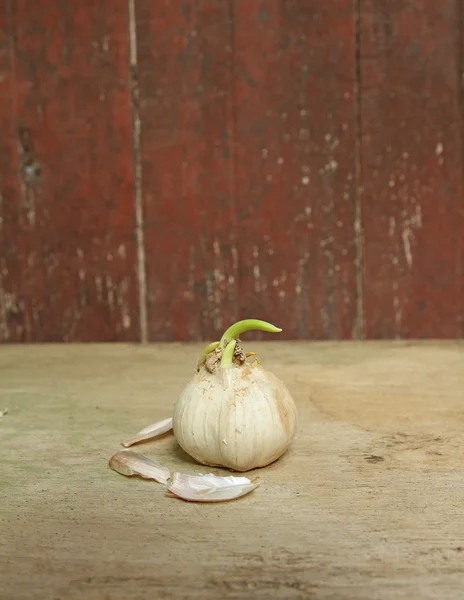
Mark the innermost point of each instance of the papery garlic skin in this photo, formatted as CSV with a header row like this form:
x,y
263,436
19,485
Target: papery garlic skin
x,y
242,417
209,487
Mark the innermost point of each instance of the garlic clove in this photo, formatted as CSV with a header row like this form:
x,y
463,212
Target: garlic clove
x,y
194,488
130,463
153,430
210,488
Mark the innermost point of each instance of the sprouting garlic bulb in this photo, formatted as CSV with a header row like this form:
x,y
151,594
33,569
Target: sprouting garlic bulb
x,y
232,413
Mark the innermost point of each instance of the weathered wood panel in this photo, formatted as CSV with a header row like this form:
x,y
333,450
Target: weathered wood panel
x,y
184,69
366,504
411,168
254,123
295,165
67,249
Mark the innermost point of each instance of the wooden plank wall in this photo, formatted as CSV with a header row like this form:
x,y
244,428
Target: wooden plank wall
x,y
169,167
412,168
68,262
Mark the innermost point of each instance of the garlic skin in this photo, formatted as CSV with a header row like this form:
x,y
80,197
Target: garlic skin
x,y
130,463
147,433
209,487
241,417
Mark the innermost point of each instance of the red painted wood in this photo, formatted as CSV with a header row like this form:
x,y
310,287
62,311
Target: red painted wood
x,y
248,117
412,168
11,313
295,164
67,247
185,76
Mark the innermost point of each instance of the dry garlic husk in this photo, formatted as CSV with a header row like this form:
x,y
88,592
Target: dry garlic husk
x,y
194,488
149,432
209,487
130,464
232,413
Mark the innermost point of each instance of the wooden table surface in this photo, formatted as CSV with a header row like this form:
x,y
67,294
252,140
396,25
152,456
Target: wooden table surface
x,y
368,504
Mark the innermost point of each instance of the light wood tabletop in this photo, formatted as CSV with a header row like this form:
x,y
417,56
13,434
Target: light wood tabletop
x,y
367,504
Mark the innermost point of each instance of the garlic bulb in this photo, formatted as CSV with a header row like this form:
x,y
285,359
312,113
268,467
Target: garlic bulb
x,y
232,413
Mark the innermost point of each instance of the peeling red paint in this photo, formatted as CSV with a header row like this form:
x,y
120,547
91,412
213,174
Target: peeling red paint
x,y
167,172
67,249
412,169
184,57
295,171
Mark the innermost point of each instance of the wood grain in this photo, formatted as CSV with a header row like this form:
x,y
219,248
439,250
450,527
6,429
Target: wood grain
x,y
413,203
294,64
67,250
366,505
11,308
286,161
184,70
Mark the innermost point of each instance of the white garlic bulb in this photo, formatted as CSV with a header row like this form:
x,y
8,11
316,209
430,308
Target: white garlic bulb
x,y
232,413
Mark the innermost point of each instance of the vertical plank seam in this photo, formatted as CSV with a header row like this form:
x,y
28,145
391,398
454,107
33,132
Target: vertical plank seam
x,y
460,76
136,155
358,224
